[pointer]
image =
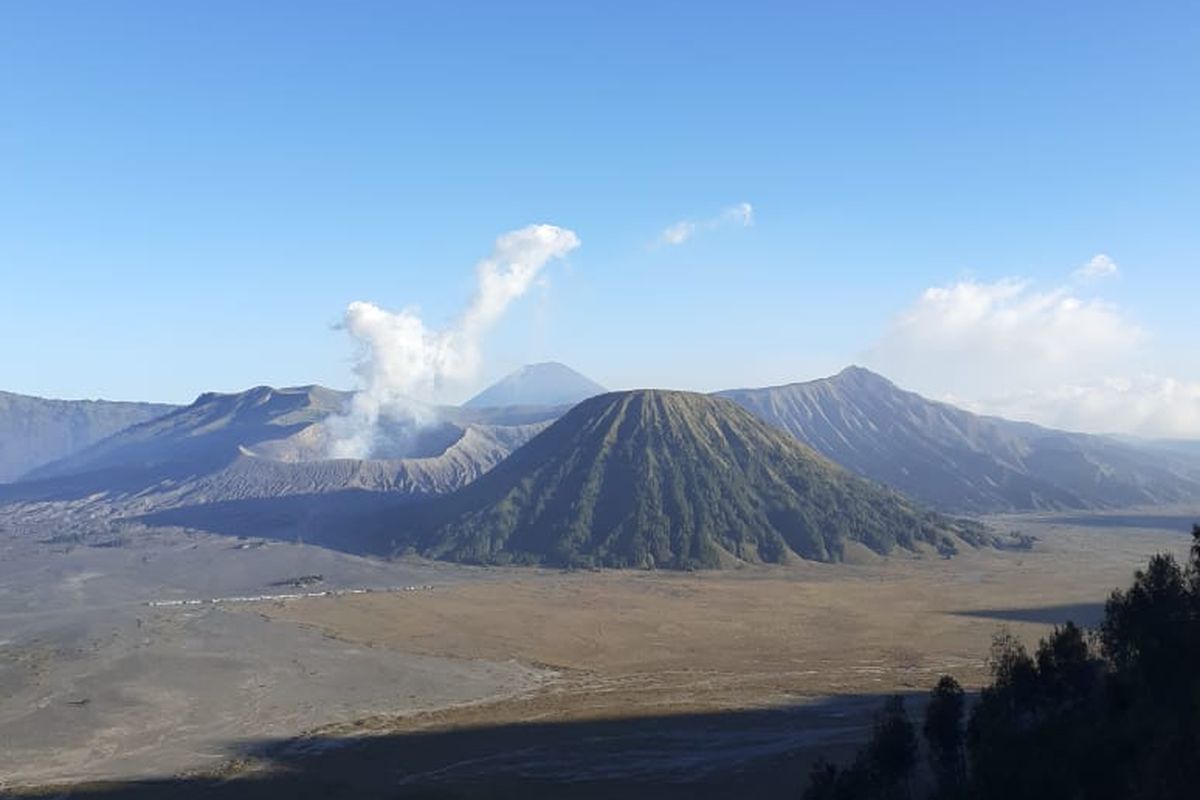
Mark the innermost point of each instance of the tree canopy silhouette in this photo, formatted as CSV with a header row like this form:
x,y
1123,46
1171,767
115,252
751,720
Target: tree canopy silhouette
x,y
1114,713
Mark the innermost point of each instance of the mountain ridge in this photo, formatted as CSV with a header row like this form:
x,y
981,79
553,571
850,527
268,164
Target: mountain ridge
x,y
268,441
959,461
654,478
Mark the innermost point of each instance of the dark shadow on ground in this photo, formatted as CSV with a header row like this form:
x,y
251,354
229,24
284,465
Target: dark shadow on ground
x,y
755,753
1083,614
114,481
349,520
1176,523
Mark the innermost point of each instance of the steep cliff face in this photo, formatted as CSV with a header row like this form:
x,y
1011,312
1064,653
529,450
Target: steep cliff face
x,y
35,431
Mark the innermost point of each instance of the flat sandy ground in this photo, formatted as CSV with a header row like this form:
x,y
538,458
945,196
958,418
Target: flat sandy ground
x,y
95,683
638,643
502,674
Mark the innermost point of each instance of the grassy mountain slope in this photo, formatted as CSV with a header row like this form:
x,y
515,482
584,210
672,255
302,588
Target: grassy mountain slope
x,y
668,479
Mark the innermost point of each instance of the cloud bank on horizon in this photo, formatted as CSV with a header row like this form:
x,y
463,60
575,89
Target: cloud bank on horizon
x,y
404,364
1049,356
740,215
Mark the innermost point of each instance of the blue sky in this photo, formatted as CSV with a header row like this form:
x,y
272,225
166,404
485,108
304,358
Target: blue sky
x,y
190,194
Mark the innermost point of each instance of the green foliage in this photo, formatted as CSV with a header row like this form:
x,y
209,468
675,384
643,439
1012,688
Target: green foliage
x,y
1070,721
672,480
943,730
892,751
883,768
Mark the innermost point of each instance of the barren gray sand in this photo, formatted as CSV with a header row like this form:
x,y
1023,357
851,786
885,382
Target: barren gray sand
x,y
95,684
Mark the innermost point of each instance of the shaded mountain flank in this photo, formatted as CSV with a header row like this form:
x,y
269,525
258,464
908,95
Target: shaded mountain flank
x,y
670,480
958,461
268,442
546,384
35,431
209,433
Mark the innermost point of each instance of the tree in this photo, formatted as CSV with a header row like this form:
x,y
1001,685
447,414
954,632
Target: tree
x,y
1066,722
1014,673
943,731
1066,669
822,781
1194,563
882,769
892,752
1150,638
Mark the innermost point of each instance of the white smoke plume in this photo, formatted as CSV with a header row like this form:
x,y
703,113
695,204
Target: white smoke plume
x,y
404,363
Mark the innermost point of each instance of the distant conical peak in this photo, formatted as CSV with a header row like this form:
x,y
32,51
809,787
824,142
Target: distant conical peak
x,y
537,365
544,383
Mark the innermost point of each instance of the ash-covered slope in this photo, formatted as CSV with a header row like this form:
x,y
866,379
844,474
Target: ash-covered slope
x,y
210,433
546,384
474,450
959,461
667,479
35,431
270,443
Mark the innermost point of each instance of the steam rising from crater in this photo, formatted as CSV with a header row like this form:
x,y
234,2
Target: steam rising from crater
x,y
403,362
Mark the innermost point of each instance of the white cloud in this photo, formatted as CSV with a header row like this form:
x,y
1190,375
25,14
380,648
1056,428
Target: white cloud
x,y
984,335
1047,356
1147,405
740,215
678,233
1099,266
